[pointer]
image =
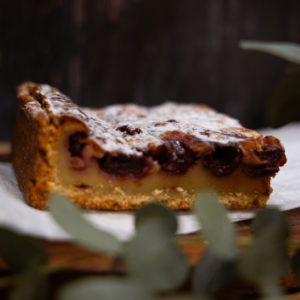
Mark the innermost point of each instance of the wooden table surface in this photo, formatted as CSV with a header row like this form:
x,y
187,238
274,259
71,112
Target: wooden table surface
x,y
84,262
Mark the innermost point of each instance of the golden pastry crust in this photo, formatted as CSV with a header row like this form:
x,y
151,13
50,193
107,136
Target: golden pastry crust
x,y
124,156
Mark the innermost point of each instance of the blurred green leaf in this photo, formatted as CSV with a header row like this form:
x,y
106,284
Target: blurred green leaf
x,y
158,214
32,286
287,51
19,251
284,104
153,257
216,226
96,288
272,291
267,260
70,218
271,217
295,264
212,273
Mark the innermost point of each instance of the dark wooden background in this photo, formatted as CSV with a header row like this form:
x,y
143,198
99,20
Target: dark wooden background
x,y
147,51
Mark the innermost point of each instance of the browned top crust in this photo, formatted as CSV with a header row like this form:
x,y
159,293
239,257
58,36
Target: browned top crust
x,y
174,135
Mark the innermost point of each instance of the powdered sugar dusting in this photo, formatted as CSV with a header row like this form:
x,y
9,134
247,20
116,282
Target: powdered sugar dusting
x,y
148,125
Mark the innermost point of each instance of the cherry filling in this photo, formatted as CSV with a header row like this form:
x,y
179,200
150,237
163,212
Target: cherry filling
x,y
178,153
270,153
125,166
75,143
269,157
222,160
174,157
76,146
128,130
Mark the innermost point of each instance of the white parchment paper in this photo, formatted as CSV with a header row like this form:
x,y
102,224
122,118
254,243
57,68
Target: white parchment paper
x,y
16,214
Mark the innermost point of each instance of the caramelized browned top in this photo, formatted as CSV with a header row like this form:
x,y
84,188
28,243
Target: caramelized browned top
x,y
132,140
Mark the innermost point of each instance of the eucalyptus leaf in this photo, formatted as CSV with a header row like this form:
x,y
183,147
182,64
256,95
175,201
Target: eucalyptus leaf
x,y
216,226
111,288
153,257
160,214
287,51
295,264
266,260
31,286
212,273
19,251
271,217
272,291
70,218
284,104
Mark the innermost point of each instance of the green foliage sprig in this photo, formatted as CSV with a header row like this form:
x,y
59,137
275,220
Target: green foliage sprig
x,y
284,103
156,267
287,51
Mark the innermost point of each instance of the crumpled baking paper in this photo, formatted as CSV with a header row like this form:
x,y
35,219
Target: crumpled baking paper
x,y
16,214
